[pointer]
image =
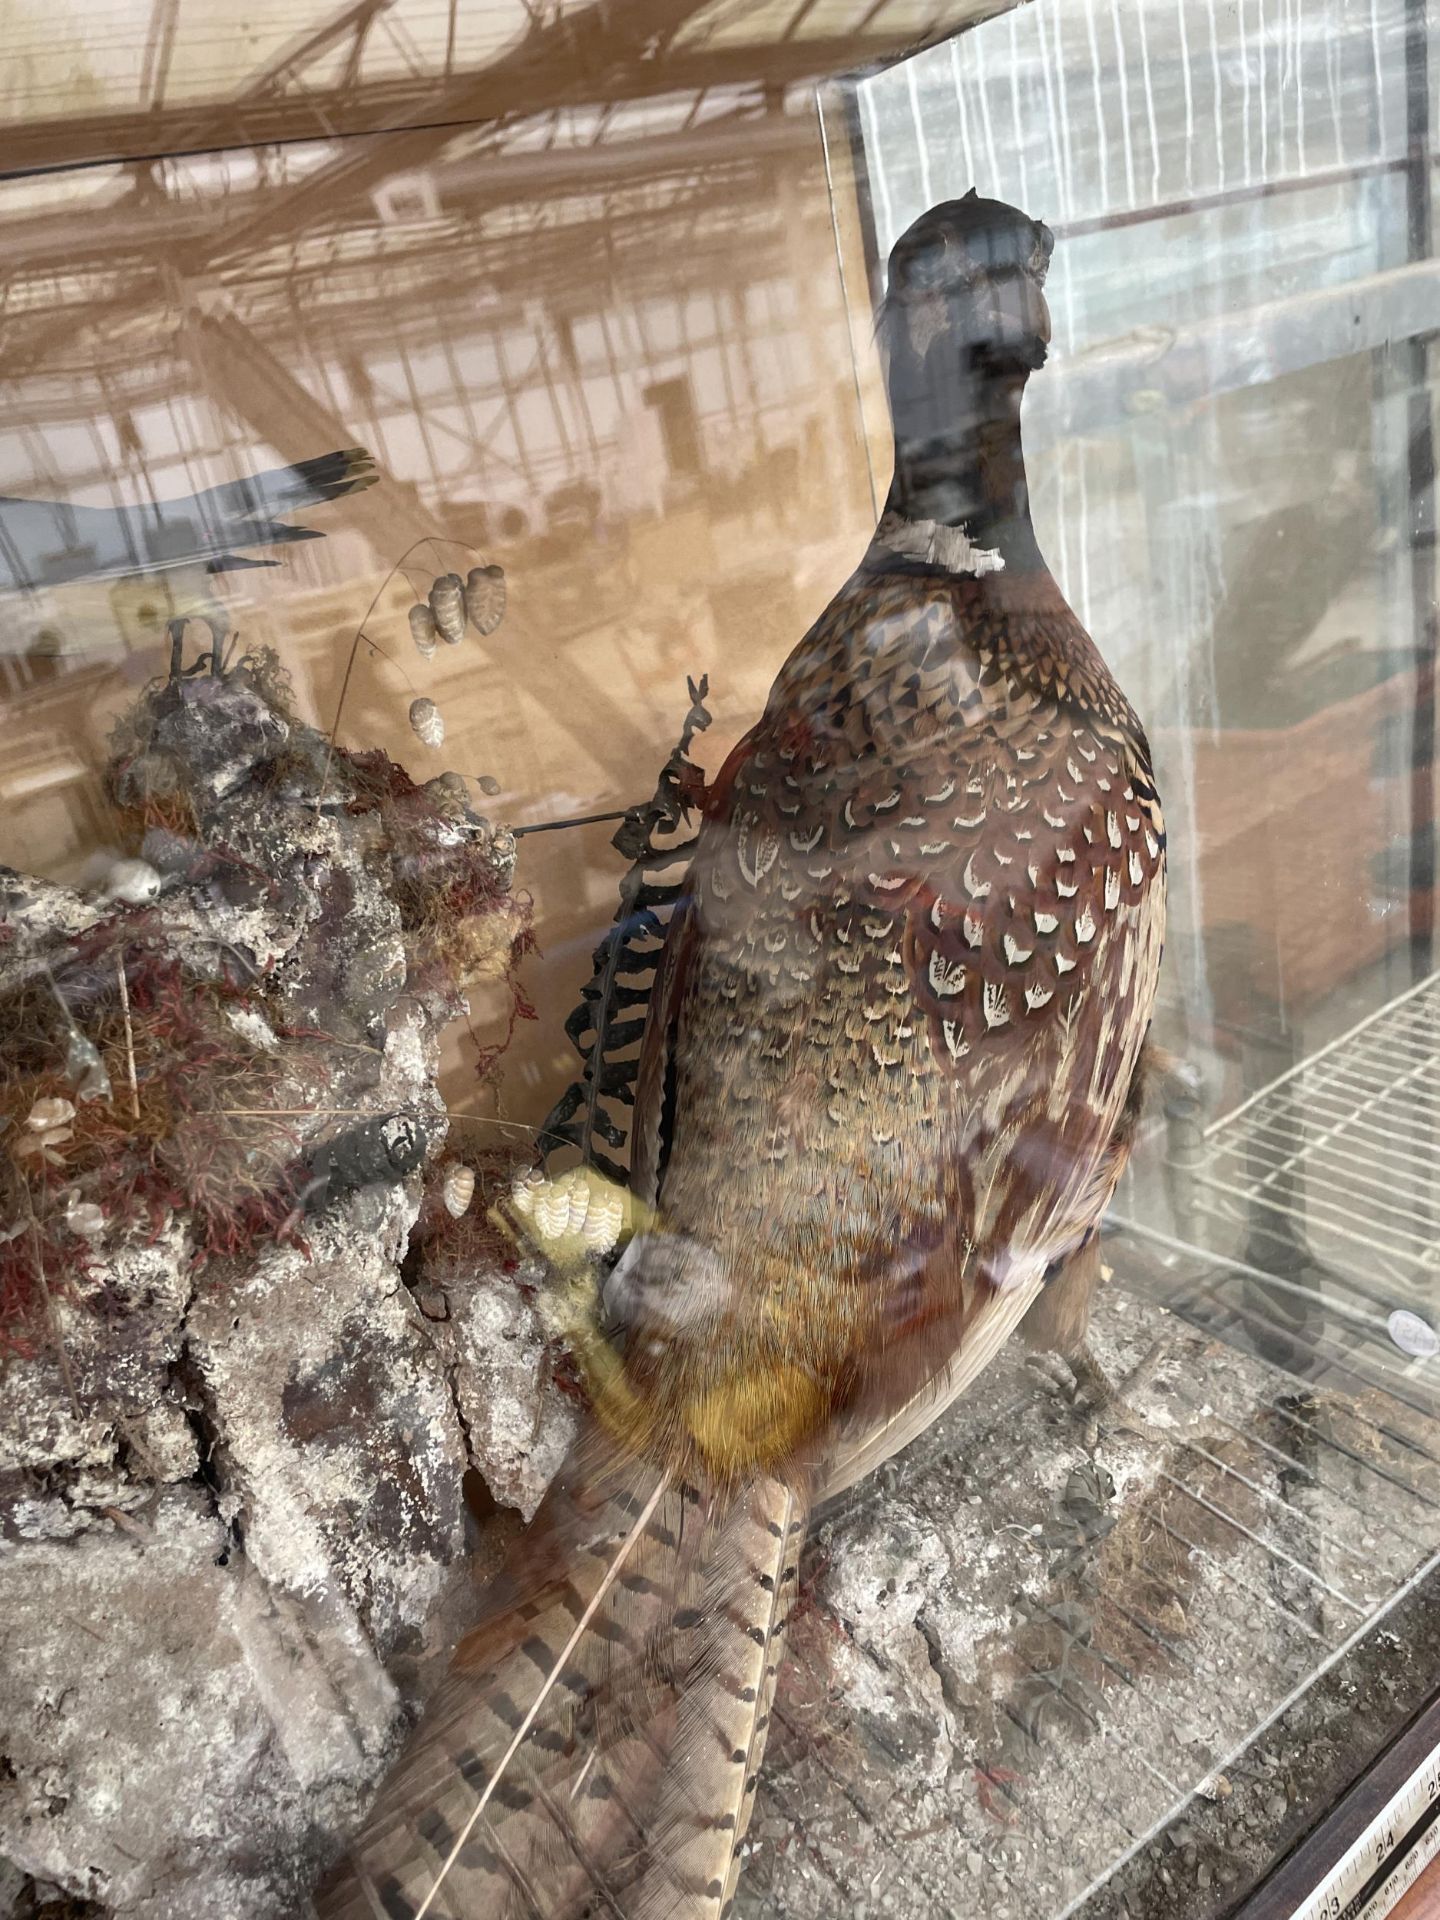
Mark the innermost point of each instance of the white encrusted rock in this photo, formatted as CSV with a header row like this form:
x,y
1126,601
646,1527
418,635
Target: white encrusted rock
x,y
236,1552
520,1425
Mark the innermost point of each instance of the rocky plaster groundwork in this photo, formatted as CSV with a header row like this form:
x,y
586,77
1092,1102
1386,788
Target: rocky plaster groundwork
x,y
239,1413
1022,1651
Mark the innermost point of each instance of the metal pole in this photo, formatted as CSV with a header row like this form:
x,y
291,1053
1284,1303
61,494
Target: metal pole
x,y
1421,503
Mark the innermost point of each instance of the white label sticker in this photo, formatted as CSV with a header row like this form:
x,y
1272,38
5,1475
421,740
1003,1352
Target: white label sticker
x,y
1413,1335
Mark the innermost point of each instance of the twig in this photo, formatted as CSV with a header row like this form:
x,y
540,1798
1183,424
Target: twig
x,y
370,1113
129,1034
127,1525
582,820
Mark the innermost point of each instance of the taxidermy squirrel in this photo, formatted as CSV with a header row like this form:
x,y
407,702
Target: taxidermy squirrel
x,y
889,1077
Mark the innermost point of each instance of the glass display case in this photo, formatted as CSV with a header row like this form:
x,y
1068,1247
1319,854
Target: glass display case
x,y
428,1032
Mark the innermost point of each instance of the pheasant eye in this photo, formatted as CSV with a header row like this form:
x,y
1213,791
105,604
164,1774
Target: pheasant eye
x,y
928,269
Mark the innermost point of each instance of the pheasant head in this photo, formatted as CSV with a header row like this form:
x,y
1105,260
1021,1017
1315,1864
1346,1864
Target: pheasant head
x,y
963,325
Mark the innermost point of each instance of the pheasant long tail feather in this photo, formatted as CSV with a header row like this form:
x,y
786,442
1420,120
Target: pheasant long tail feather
x,y
724,1708
516,1790
543,1691
594,1750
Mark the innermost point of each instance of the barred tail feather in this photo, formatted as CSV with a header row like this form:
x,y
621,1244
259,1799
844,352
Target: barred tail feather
x,y
724,1712
552,1677
593,1750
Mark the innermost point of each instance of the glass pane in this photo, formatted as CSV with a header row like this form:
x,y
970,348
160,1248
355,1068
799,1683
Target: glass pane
x,y
578,920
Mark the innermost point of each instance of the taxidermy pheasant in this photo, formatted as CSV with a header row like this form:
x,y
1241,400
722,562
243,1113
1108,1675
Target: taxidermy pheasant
x,y
887,1085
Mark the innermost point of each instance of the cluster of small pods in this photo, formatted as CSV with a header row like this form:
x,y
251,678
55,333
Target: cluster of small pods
x,y
582,1204
479,598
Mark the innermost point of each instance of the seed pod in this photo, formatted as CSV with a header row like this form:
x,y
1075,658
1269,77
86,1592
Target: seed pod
x,y
458,1189
427,721
422,630
487,783
85,1218
447,606
604,1218
579,1199
552,1211
85,1070
597,1209
485,597
43,1146
579,1205
448,794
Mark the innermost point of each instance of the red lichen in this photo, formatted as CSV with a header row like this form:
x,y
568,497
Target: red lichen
x,y
201,1123
460,919
197,1135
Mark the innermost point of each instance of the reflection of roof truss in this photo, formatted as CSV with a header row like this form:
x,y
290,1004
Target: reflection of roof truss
x,y
516,201
527,126
562,55
430,276
495,172
273,103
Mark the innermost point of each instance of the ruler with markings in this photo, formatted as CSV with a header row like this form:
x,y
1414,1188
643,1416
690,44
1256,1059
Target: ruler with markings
x,y
1407,1871
1373,1844
1368,1880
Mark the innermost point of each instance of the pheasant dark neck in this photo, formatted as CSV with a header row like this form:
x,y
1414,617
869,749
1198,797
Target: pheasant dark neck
x,y
959,461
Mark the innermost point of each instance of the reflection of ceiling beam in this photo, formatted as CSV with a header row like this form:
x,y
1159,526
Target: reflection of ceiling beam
x,y
80,236
719,227
339,306
601,52
159,46
575,55
235,369
178,127
636,230
352,23
604,49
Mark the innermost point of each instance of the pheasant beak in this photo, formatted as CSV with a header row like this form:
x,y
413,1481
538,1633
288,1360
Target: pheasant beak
x,y
1005,316
1016,318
